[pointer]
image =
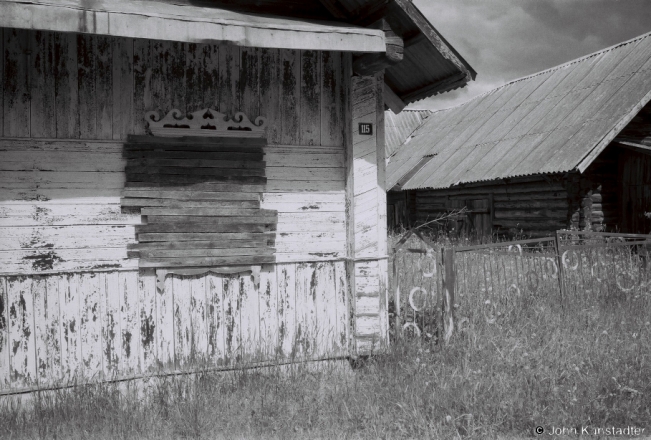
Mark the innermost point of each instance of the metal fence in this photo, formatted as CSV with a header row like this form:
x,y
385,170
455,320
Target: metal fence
x,y
597,264
429,281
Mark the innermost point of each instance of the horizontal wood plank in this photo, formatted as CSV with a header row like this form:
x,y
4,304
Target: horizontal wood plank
x,y
306,174
65,237
195,192
196,252
178,204
176,219
202,236
203,171
208,212
304,186
207,261
197,163
60,196
203,244
195,178
204,227
298,159
194,155
63,215
214,141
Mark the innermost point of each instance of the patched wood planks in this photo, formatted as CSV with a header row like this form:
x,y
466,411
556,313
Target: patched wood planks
x,y
170,211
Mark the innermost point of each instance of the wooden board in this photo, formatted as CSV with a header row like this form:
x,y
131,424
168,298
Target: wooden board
x,y
69,303
5,369
90,324
66,237
42,106
148,341
21,331
114,324
16,86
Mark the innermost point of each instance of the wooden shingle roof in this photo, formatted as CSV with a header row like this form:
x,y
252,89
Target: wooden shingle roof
x,y
554,121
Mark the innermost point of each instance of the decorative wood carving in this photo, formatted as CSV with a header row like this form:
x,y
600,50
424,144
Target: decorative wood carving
x,y
162,273
206,122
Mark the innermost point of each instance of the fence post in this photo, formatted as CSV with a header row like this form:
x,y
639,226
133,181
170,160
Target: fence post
x,y
559,261
448,283
396,297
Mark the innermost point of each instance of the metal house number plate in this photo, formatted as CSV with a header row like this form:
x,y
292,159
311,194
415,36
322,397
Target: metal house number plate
x,y
365,128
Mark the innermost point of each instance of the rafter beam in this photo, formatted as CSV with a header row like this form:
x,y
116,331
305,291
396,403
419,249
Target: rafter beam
x,y
336,9
393,101
371,63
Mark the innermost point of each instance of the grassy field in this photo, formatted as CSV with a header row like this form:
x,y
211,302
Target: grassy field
x,y
586,364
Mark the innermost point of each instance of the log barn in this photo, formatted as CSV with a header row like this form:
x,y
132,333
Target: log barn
x,y
569,147
184,184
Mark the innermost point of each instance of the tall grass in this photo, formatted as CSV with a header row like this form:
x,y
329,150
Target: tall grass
x,y
587,363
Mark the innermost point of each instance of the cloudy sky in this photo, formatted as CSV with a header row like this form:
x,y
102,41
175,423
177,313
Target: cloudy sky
x,y
508,39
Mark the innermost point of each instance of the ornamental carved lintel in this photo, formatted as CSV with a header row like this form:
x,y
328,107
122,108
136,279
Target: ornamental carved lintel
x,y
206,122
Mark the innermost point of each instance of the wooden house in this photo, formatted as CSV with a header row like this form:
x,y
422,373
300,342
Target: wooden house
x,y
568,147
184,184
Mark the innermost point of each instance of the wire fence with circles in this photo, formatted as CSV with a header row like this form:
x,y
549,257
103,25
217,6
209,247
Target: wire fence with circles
x,y
417,286
497,280
603,270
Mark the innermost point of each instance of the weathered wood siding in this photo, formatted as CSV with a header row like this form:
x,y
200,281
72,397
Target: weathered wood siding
x,y
59,200
368,229
70,294
635,192
533,206
60,328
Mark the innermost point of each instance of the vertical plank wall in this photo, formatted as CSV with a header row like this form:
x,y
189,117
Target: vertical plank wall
x,y
68,101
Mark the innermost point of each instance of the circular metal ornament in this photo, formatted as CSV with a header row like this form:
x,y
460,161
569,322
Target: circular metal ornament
x,y
491,316
420,267
411,298
594,270
618,277
533,281
413,326
513,289
550,263
566,260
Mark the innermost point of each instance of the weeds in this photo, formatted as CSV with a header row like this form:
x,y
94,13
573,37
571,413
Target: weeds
x,y
586,364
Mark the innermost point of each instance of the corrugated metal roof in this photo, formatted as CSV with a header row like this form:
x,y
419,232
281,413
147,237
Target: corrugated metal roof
x,y
554,121
399,127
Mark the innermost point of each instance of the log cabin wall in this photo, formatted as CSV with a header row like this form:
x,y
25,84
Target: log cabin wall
x,y
533,206
635,191
73,305
595,194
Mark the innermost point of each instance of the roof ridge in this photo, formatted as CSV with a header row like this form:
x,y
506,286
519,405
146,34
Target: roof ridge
x,y
552,69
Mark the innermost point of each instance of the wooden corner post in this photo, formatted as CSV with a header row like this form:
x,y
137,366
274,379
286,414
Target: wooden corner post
x,y
366,200
448,293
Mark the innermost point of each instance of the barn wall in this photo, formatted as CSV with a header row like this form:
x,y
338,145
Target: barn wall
x,y
532,206
68,102
635,191
595,205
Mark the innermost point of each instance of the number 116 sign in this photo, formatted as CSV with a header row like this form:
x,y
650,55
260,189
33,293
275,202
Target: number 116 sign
x,y
366,128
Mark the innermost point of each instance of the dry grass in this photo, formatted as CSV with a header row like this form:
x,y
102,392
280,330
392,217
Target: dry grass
x,y
586,364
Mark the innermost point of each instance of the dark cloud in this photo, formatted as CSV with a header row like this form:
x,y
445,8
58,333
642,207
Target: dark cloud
x,y
508,39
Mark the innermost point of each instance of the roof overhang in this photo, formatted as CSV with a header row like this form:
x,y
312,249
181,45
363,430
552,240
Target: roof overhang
x,y
429,64
165,21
